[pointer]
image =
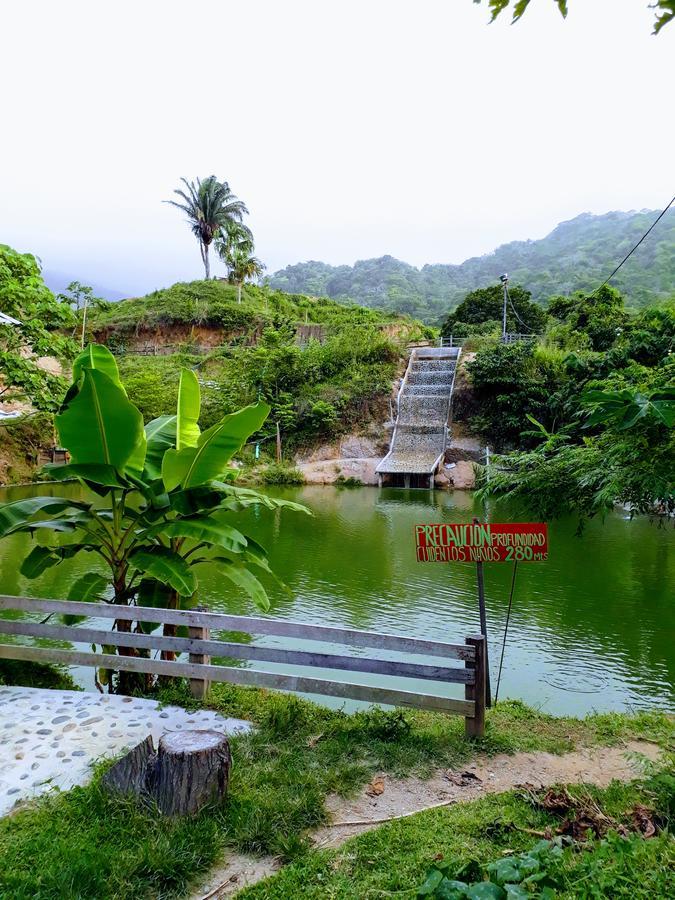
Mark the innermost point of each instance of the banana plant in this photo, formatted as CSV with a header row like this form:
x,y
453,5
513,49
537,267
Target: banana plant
x,y
164,498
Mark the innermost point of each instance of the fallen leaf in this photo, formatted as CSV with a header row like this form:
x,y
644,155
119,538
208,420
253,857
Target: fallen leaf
x,y
314,740
376,787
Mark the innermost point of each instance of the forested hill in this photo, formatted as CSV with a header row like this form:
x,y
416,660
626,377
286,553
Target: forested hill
x,y
576,255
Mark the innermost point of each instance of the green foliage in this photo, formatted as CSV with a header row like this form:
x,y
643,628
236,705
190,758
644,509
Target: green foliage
x,y
25,297
315,390
528,874
279,473
600,315
210,207
163,497
483,309
35,675
604,421
20,442
665,9
214,304
510,383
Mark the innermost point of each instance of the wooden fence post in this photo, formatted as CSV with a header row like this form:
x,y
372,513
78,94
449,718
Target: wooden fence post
x,y
199,687
475,727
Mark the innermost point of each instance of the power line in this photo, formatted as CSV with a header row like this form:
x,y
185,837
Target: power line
x,y
506,628
527,328
628,255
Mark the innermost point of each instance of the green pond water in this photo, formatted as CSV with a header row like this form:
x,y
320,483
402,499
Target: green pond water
x,y
592,628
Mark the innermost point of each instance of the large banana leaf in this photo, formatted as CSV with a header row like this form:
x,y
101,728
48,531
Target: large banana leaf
x,y
194,466
166,566
75,521
99,425
155,594
187,430
91,474
42,558
89,588
161,436
204,528
20,512
195,500
249,497
96,356
244,579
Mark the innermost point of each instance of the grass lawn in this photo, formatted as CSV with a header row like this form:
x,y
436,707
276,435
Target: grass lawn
x,y
393,859
84,844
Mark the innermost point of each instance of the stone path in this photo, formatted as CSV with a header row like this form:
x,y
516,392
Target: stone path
x,y
49,739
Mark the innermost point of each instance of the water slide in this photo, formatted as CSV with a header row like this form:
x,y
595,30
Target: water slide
x,y
421,430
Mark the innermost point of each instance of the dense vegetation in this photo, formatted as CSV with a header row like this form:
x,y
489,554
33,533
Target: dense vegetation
x,y
481,312
574,256
213,304
44,329
587,411
316,389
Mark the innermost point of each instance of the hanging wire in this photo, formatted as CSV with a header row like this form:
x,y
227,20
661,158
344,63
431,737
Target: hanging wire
x,y
506,628
632,251
514,311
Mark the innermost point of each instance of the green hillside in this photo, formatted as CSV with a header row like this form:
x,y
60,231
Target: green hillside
x,y
576,255
324,367
213,304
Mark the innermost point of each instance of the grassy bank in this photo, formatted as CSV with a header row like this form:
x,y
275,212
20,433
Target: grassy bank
x,y
90,845
395,859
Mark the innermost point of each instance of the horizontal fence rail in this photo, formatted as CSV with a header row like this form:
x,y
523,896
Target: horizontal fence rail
x,y
200,647
245,624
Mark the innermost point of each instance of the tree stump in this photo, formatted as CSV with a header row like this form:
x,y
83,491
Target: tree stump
x,y
192,770
189,770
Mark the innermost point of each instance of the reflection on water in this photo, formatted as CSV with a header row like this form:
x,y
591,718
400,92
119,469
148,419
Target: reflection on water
x,y
591,628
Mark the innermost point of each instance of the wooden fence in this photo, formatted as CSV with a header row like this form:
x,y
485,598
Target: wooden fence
x,y
200,648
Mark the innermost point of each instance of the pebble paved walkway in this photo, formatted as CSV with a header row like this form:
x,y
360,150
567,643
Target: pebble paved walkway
x,y
49,739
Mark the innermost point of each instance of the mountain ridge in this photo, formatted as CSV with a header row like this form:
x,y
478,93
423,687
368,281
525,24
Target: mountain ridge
x,y
577,254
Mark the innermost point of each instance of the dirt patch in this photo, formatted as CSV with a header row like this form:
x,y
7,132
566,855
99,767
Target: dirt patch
x,y
234,874
597,765
387,798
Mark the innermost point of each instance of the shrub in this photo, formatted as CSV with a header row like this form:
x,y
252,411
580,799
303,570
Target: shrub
x,y
279,473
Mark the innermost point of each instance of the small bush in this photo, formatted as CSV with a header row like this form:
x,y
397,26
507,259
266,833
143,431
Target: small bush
x,y
348,482
279,473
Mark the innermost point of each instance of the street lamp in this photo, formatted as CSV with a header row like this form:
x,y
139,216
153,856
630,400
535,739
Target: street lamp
x,y
504,280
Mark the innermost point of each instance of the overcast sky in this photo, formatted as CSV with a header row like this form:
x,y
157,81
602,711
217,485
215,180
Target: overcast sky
x,y
351,128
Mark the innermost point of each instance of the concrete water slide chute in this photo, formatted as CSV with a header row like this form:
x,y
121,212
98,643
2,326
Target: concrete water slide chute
x,y
421,430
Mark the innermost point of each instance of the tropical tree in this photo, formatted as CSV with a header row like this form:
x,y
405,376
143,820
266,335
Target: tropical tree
x,y
243,267
235,248
165,499
34,327
210,207
665,10
484,307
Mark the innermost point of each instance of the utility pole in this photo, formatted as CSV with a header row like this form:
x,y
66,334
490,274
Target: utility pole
x,y
84,321
504,280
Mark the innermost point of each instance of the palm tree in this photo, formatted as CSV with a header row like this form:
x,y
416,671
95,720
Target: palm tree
x,y
243,267
235,248
210,207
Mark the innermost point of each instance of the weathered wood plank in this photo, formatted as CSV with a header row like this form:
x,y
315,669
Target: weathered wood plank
x,y
247,677
475,725
246,624
79,634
